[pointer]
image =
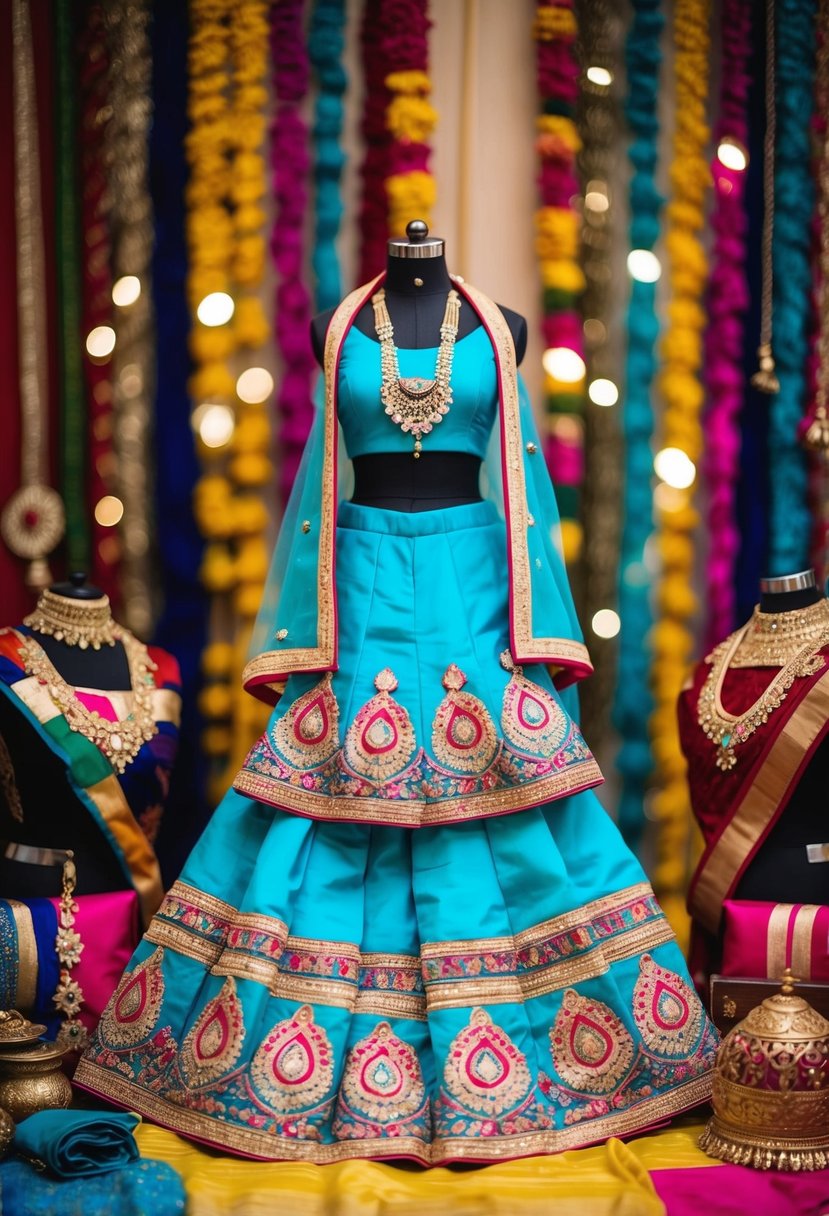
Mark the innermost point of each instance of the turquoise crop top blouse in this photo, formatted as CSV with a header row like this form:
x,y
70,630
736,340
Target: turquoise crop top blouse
x,y
467,426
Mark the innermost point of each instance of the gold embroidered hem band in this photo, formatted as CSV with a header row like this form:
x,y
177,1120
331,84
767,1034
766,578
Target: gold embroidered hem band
x,y
414,813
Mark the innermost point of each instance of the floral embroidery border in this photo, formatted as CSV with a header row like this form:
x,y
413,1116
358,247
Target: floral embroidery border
x,y
570,948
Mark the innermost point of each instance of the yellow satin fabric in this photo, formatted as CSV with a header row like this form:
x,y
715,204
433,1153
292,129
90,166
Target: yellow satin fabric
x,y
611,1179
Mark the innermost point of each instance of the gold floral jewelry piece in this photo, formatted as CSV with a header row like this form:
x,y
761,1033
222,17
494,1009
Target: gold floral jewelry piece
x,y
728,730
82,623
772,639
412,403
69,996
121,740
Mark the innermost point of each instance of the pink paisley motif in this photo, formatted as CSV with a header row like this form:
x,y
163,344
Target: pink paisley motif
x,y
668,1014
531,718
294,1066
307,734
463,733
311,725
383,1087
214,1043
374,738
134,1010
591,1048
485,1073
380,741
531,712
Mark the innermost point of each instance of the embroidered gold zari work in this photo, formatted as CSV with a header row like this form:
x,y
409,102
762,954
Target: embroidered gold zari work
x,y
264,1145
414,404
81,623
759,803
120,740
773,639
728,730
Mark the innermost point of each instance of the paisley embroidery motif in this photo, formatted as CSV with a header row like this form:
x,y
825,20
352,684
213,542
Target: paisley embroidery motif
x,y
531,719
380,741
463,734
294,1066
133,1011
382,1082
308,733
667,1012
213,1044
485,1071
590,1046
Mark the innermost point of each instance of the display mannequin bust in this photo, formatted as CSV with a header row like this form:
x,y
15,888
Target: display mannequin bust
x,y
416,287
89,725
754,726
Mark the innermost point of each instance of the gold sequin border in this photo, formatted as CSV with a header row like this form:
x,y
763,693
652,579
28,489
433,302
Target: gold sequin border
x,y
267,1147
414,813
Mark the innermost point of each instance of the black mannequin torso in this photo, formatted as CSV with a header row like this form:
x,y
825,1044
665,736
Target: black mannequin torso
x,y
417,311
781,870
52,816
416,289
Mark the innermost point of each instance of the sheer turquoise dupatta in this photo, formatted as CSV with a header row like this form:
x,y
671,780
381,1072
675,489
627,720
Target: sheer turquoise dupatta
x,y
296,630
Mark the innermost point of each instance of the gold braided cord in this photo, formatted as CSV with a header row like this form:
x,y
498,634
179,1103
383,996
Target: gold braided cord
x,y
131,220
673,639
600,31
31,274
33,519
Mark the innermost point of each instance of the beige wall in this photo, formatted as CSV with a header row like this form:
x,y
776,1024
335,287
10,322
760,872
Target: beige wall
x,y
482,63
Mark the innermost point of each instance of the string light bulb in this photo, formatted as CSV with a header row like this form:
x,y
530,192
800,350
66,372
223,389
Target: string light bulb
x,y
126,290
216,309
213,423
254,385
732,154
644,266
675,468
100,342
109,511
603,392
606,623
563,364
603,77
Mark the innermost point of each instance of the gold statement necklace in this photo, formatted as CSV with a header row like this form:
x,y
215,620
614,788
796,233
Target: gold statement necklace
x,y
413,403
63,618
810,635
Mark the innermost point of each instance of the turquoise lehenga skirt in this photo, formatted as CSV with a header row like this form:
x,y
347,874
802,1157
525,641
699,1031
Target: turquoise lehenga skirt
x,y
410,930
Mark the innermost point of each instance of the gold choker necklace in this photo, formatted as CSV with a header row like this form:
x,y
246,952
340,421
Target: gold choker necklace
x,y
120,741
82,623
727,730
413,403
772,639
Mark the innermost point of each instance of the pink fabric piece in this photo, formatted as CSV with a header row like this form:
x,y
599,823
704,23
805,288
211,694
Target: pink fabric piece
x,y
736,1190
95,703
108,928
745,940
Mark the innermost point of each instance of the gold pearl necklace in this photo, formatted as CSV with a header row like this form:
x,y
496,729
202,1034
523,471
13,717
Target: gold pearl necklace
x,y
412,403
728,730
120,741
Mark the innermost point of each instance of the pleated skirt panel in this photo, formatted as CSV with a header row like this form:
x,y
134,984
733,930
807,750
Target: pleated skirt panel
x,y
468,992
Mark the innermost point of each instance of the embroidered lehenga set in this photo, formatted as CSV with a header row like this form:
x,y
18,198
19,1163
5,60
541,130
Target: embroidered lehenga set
x,y
410,930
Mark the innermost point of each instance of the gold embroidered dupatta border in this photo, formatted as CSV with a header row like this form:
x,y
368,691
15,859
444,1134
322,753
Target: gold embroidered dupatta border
x,y
759,807
272,668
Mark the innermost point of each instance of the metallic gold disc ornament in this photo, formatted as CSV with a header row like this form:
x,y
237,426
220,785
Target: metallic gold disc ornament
x,y
32,524
771,1088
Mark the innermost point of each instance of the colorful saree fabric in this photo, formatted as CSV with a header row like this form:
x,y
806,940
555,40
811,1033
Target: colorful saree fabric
x,y
410,930
122,810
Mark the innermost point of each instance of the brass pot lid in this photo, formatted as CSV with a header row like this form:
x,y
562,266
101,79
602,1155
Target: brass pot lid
x,y
37,1053
15,1029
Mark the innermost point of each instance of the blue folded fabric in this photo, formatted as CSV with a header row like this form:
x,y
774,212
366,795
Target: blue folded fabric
x,y
76,1143
142,1188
